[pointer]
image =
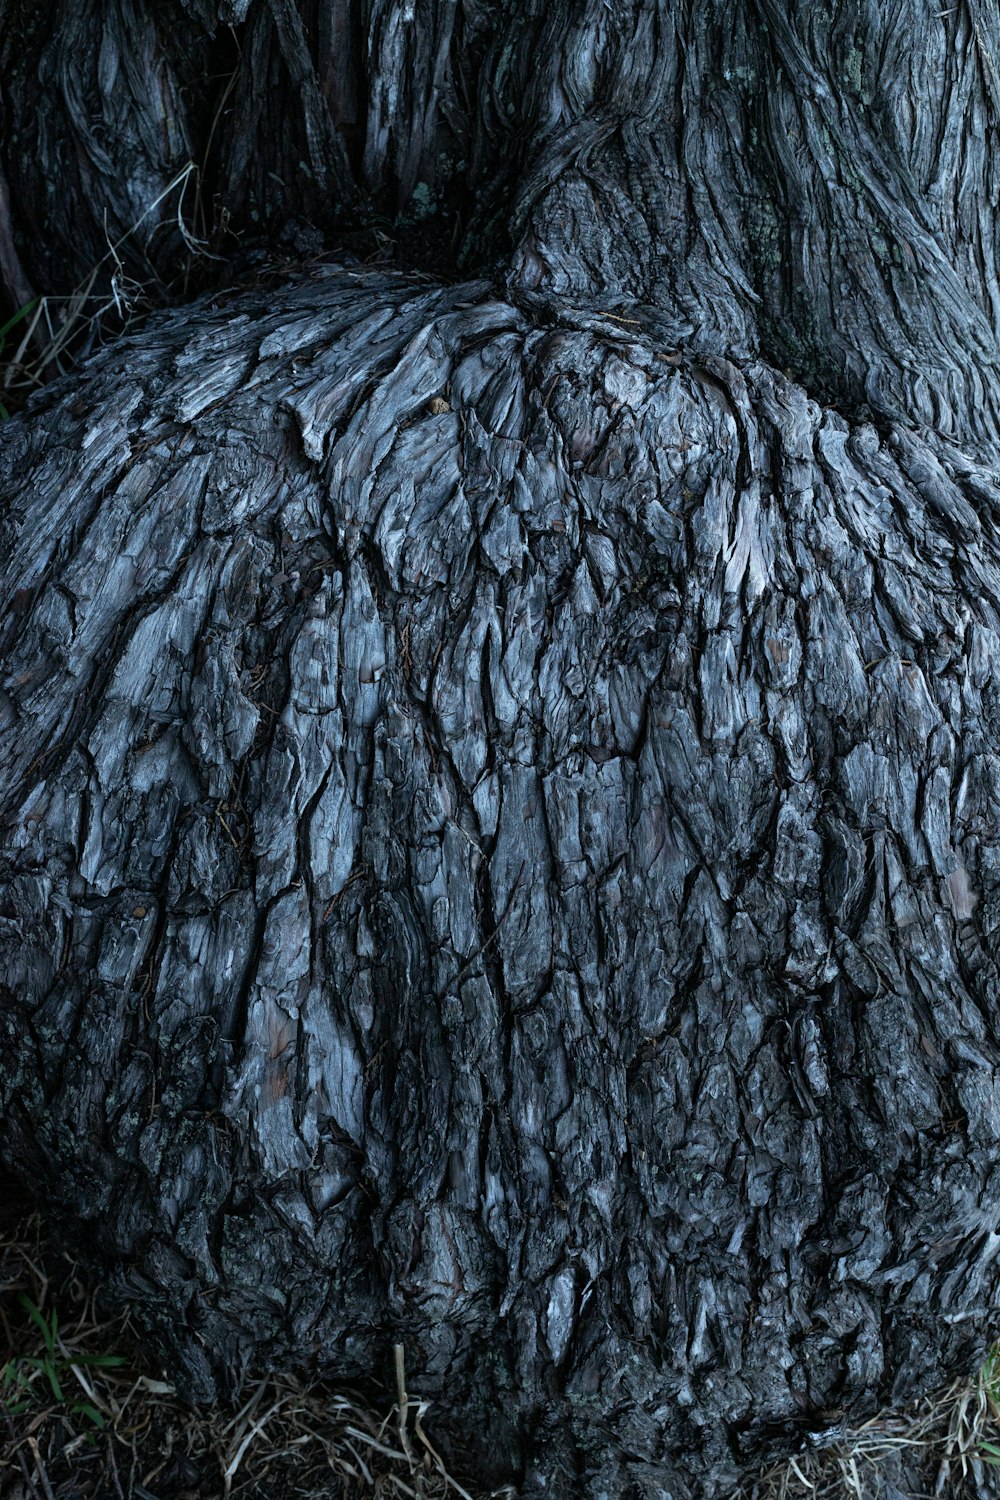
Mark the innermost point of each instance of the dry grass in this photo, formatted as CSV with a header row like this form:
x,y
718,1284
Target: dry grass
x,y
51,333
120,1431
947,1443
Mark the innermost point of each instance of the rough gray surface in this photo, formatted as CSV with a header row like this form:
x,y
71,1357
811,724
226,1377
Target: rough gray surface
x,y
500,785
817,185
502,855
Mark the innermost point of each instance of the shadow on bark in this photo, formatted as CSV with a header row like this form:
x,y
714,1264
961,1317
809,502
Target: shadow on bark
x,y
499,782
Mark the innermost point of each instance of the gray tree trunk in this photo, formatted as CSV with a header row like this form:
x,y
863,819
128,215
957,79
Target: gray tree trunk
x,y
500,783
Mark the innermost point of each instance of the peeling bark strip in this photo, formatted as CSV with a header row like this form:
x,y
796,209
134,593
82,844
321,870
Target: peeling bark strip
x,y
501,856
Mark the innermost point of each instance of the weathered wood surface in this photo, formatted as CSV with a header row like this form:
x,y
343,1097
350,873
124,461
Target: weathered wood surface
x,y
500,786
502,854
816,185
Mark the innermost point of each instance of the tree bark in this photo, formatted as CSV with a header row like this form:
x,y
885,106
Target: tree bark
x,y
500,782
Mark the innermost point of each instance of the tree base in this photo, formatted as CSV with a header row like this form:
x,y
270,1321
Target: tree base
x,y
503,857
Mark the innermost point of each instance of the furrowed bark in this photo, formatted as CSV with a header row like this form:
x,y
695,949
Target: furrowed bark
x,y
502,857
499,781
817,186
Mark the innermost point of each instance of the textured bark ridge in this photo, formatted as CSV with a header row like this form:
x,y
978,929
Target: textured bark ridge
x,y
502,854
818,185
499,785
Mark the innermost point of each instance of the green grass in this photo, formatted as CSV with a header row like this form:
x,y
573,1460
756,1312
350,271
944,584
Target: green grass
x,y
78,1422
84,1415
989,1380
27,1380
948,1443
5,329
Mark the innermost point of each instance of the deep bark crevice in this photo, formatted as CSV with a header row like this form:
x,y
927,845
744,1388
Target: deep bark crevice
x,y
499,780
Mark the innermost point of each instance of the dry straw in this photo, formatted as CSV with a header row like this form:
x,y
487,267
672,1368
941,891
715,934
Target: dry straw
x,y
949,1440
121,1433
46,337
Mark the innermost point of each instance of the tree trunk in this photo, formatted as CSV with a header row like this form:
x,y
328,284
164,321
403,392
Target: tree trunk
x,y
501,785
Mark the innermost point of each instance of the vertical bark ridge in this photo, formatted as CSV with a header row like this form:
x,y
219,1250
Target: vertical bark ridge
x,y
522,881
819,188
102,108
